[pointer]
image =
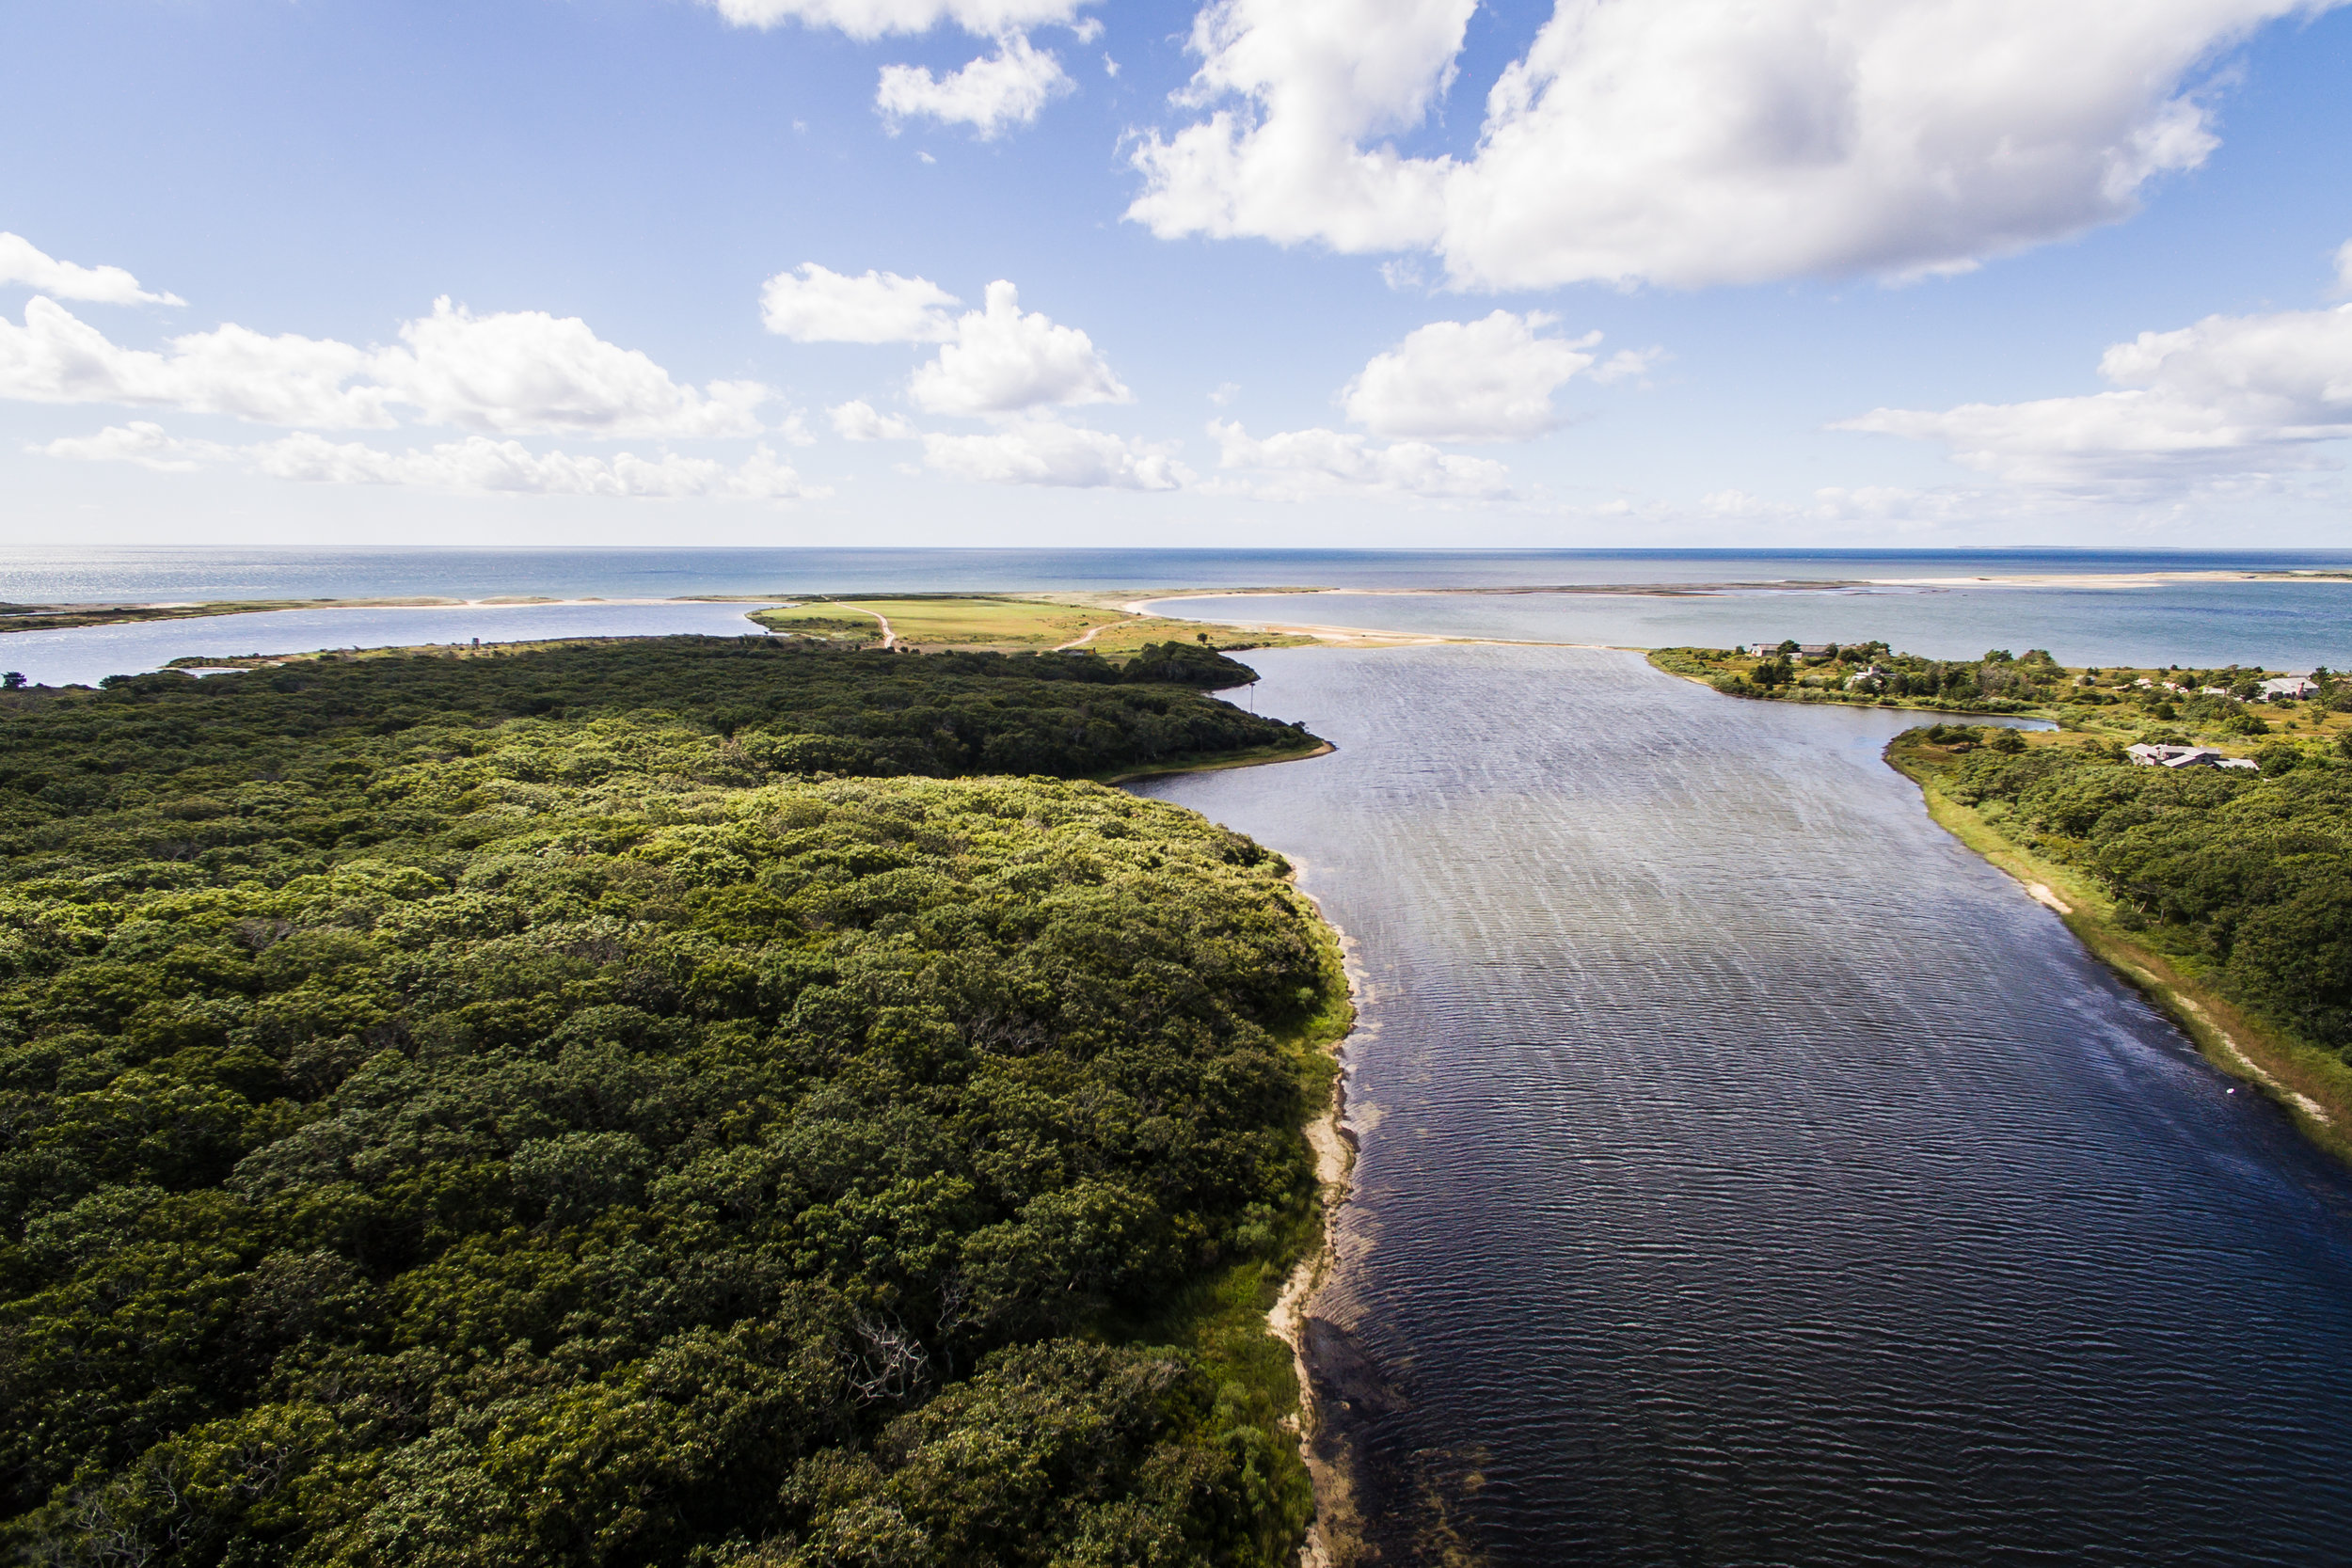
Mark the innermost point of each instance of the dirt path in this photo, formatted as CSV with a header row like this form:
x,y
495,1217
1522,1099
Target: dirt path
x,y
1086,637
890,638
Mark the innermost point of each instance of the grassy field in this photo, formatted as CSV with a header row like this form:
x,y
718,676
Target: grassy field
x,y
1008,623
1002,623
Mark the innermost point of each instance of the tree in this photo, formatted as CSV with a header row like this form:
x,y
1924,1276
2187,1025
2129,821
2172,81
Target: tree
x,y
471,1112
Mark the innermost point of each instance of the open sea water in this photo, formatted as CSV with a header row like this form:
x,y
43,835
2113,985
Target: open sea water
x,y
2276,624
2293,626
1751,1175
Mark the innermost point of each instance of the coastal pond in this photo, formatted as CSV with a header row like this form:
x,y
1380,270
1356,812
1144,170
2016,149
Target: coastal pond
x,y
1750,1174
87,655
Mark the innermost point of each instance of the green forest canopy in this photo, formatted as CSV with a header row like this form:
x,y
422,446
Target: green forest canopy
x,y
509,1110
2247,875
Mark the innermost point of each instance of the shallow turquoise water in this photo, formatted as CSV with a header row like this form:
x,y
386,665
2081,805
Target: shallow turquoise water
x,y
2276,624
39,575
2297,624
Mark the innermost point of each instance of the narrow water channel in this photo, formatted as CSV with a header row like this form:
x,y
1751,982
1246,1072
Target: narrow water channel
x,y
1750,1175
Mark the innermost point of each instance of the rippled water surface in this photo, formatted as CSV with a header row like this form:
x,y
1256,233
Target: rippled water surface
x,y
1752,1175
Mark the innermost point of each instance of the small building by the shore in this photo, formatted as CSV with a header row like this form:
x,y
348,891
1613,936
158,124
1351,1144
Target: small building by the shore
x,y
2288,685
2145,755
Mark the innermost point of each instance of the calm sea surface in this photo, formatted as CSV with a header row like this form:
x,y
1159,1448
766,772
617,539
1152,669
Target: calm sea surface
x,y
87,655
44,575
1751,1175
2292,625
2276,624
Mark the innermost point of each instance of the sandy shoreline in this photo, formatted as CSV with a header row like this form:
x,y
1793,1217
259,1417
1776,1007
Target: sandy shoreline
x,y
1365,636
2232,1041
1331,1538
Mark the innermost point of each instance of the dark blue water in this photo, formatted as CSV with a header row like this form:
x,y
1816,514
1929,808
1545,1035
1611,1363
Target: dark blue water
x,y
1751,1175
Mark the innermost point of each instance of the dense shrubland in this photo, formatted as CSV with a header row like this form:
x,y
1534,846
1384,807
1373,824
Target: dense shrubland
x,y
2000,681
2248,876
502,1111
2226,700
794,708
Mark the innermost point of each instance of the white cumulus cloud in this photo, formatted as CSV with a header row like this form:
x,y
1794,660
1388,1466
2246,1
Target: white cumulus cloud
x,y
816,306
2344,265
141,442
1297,463
527,372
991,94
474,465
1047,452
517,373
870,18
2231,395
21,262
1487,380
858,421
58,357
1003,362
1695,142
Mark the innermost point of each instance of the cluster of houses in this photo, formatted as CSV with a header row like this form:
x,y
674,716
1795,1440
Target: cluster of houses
x,y
2272,690
2182,756
1873,677
1869,679
1762,649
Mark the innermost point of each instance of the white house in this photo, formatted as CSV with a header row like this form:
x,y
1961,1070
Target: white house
x,y
2145,755
2176,756
2288,685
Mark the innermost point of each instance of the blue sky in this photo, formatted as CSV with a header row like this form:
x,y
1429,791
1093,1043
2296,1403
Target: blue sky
x,y
1257,270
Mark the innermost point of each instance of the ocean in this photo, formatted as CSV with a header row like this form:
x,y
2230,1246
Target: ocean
x,y
51,574
2275,625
